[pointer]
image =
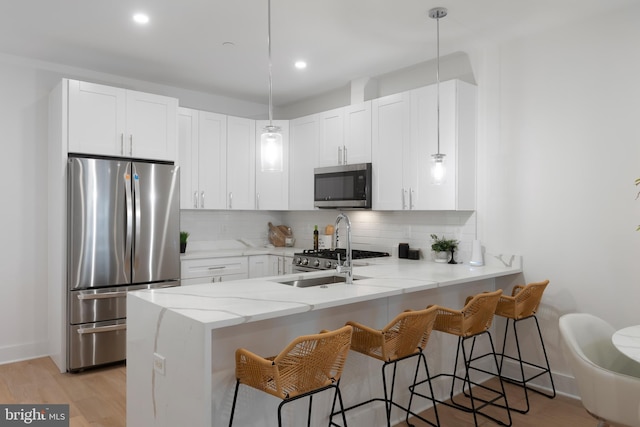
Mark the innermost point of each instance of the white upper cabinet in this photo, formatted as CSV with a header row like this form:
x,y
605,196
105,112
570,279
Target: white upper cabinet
x,y
152,126
390,137
110,121
241,142
302,147
457,143
357,133
202,159
345,135
96,119
405,135
272,187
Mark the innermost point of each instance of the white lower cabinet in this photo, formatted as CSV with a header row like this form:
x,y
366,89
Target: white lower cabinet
x,y
280,264
197,271
259,266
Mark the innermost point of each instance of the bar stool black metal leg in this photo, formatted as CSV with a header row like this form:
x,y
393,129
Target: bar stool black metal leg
x,y
233,406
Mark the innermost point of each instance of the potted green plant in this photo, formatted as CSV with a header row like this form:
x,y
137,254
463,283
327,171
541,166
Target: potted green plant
x,y
183,241
443,247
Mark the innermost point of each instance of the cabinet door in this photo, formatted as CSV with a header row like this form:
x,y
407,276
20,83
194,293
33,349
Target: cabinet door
x,y
391,132
457,142
259,266
96,119
357,133
188,150
152,126
331,142
211,160
241,134
424,136
272,187
303,145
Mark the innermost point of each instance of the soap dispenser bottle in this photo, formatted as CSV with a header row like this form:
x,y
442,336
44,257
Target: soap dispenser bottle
x,y
315,238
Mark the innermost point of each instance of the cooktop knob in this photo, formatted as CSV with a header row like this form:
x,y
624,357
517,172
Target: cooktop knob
x,y
305,261
298,261
316,263
327,264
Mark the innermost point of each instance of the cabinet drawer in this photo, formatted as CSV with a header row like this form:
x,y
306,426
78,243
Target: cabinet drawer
x,y
215,267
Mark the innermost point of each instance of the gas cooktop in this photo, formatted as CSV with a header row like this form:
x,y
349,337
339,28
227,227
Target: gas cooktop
x,y
323,259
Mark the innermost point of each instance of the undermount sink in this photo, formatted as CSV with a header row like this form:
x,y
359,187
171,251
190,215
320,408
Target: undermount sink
x,y
316,281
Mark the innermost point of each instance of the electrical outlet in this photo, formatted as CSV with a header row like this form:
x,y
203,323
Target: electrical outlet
x,y
158,363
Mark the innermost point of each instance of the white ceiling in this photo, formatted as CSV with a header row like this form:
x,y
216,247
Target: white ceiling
x,y
342,40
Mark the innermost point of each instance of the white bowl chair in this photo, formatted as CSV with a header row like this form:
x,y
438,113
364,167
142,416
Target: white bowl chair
x,y
608,381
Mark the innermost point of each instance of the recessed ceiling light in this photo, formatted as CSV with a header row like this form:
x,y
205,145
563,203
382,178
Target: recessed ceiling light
x,y
301,65
141,18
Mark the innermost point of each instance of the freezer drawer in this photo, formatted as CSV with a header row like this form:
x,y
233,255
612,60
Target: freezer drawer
x,y
97,305
92,344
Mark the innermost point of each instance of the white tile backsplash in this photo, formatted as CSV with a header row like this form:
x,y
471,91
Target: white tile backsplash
x,y
371,230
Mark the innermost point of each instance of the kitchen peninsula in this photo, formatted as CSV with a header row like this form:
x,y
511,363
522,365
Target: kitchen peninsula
x,y
181,342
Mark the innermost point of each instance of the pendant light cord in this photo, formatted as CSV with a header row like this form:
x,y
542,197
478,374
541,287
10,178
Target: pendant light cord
x,y
270,76
437,75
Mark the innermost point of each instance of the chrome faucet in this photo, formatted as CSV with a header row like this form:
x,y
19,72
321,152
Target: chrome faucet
x,y
346,267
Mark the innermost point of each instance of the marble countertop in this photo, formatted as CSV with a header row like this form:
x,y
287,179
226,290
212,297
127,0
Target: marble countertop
x,y
243,301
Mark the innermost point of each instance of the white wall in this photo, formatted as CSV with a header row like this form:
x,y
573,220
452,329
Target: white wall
x,y
558,165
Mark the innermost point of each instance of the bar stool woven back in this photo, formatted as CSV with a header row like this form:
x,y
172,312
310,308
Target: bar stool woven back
x,y
474,318
402,338
469,323
523,302
309,364
405,335
521,305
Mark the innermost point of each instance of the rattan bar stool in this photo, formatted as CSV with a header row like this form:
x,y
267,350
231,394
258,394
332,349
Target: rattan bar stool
x,y
308,365
471,322
403,338
522,305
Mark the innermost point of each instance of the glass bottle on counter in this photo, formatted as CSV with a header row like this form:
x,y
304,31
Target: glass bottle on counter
x,y
315,238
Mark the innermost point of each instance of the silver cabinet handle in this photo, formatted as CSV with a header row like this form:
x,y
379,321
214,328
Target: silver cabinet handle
x,y
195,199
202,199
339,155
105,295
122,144
99,329
231,200
344,158
257,200
218,268
404,205
410,198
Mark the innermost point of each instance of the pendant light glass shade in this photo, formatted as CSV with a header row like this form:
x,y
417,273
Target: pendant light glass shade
x,y
438,169
271,152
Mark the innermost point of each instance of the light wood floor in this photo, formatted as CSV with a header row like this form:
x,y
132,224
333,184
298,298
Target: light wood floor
x,y
97,398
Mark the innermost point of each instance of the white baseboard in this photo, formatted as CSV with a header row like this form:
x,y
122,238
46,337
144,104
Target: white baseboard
x,y
20,352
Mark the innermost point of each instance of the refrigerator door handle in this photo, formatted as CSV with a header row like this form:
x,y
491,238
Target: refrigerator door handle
x,y
104,295
98,329
129,208
136,193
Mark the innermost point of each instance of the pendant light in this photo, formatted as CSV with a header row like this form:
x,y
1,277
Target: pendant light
x,y
271,138
438,169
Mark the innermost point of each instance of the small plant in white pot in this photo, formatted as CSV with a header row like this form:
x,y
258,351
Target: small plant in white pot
x,y
443,248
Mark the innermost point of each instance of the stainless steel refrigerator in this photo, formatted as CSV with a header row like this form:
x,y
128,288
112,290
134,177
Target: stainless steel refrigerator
x,y
123,234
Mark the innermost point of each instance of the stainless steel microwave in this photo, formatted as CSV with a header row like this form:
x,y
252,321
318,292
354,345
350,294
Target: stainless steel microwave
x,y
344,186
